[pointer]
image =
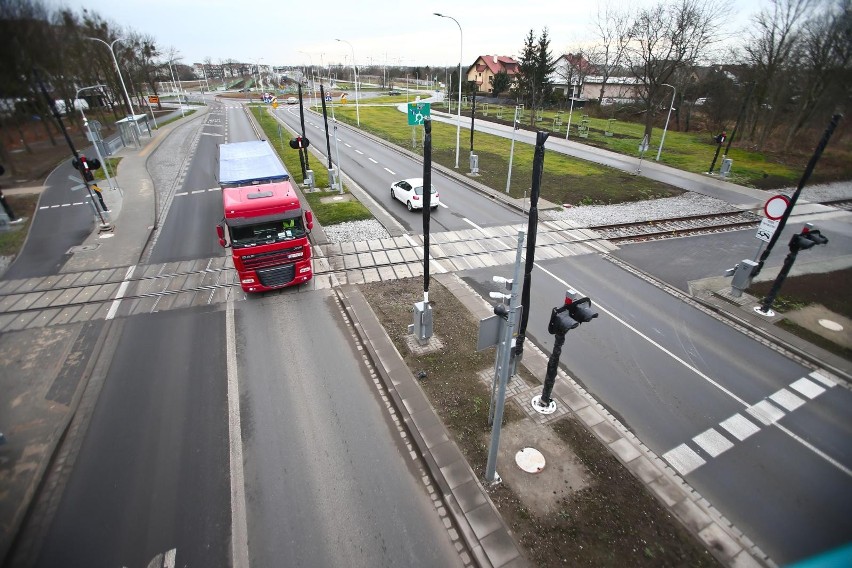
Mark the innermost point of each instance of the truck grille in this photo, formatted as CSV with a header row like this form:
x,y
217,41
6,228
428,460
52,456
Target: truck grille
x,y
277,276
269,259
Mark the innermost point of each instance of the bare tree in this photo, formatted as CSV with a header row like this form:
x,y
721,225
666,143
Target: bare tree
x,y
614,28
772,41
665,38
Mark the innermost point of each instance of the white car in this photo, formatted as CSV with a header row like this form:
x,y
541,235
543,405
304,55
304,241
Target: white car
x,y
292,100
410,192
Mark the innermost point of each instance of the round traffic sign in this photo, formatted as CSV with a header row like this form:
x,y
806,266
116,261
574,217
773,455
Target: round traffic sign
x,y
776,206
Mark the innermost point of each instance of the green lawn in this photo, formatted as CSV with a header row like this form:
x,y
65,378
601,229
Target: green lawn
x,y
565,179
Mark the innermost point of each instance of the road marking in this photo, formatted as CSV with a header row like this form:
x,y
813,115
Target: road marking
x,y
66,205
120,294
198,191
787,399
683,459
807,388
713,442
239,526
181,193
215,189
391,172
472,224
764,411
347,145
739,427
359,152
440,268
372,160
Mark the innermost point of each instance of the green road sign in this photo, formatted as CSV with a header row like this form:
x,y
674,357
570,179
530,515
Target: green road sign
x,y
417,112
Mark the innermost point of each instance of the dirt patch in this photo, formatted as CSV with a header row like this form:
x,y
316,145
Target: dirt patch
x,y
589,510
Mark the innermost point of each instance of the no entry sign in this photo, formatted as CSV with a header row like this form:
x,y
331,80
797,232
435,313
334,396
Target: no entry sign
x,y
776,206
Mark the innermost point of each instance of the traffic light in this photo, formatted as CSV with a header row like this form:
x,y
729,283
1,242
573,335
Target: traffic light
x,y
299,142
807,239
575,311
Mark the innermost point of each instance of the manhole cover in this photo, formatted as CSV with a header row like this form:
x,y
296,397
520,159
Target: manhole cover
x,y
530,460
832,325
83,248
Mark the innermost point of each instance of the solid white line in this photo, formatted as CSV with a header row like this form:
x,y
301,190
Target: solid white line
x,y
472,224
239,525
652,342
391,172
120,294
764,411
372,160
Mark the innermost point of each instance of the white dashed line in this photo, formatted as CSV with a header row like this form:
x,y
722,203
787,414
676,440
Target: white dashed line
x,y
120,294
713,442
683,459
766,412
472,224
198,191
347,145
215,189
787,399
391,172
359,152
739,427
182,193
372,160
807,388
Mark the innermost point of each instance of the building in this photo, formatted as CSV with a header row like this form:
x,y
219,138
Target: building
x,y
485,67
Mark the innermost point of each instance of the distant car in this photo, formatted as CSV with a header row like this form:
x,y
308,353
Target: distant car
x,y
410,192
292,101
394,92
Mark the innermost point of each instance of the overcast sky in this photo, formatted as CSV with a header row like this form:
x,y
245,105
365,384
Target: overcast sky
x,y
380,31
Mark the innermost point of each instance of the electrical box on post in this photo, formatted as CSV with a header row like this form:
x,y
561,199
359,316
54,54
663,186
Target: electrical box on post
x,y
422,325
474,164
742,277
725,170
309,178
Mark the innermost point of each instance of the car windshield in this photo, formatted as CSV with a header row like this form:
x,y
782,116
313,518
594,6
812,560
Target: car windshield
x,y
267,232
419,190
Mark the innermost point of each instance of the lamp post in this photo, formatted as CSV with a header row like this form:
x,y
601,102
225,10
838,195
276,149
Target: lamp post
x,y
571,110
180,100
355,72
120,78
671,106
311,74
259,77
458,118
92,136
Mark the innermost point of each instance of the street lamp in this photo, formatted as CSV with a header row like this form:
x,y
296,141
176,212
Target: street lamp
x,y
92,136
671,106
310,76
458,118
120,78
355,71
180,98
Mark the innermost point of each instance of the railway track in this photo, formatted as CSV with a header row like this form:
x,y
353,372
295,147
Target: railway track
x,y
677,227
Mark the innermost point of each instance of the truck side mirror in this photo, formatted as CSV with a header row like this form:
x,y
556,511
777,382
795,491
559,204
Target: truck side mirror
x,y
309,220
220,231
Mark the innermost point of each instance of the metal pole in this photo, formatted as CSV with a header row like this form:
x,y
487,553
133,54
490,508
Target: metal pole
x,y
325,120
461,58
666,127
805,176
571,111
512,151
427,202
503,368
355,75
538,169
92,136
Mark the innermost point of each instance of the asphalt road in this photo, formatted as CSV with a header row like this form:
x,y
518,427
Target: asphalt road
x,y
374,167
672,373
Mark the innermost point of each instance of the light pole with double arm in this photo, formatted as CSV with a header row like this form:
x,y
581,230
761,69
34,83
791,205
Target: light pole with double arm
x,y
461,50
666,127
355,72
118,70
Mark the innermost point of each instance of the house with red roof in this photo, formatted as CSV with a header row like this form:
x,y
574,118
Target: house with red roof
x,y
485,67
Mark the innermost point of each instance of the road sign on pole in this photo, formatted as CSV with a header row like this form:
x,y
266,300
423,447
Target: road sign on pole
x,y
418,112
776,206
766,229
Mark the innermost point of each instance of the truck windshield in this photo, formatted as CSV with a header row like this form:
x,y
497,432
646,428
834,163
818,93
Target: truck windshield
x,y
267,233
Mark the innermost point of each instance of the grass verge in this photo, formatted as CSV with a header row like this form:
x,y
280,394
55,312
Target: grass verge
x,y
171,120
12,241
612,522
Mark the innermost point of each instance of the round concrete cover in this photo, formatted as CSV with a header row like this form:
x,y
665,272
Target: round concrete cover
x,y
832,325
530,460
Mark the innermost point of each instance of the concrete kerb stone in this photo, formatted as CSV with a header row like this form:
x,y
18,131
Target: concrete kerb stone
x,y
371,332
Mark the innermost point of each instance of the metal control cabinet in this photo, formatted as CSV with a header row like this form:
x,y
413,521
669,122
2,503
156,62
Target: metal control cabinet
x,y
422,325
